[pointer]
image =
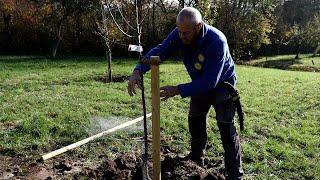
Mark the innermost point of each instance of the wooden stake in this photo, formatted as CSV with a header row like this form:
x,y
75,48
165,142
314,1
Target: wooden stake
x,y
155,89
84,141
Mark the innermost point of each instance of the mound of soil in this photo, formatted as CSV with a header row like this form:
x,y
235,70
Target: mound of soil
x,y
124,166
116,78
129,166
176,167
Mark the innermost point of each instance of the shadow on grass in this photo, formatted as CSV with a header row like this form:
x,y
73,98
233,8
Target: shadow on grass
x,y
16,59
279,64
284,64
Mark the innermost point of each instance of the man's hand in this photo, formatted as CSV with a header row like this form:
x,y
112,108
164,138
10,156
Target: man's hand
x,y
168,91
134,81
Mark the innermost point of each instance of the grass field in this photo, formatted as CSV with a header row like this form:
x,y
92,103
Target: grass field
x,y
46,104
306,62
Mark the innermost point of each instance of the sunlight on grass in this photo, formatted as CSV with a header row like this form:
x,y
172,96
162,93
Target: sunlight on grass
x,y
51,103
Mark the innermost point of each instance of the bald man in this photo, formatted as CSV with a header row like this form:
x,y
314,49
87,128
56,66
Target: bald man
x,y
207,59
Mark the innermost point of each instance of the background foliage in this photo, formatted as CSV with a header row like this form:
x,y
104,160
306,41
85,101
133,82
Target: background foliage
x,y
70,26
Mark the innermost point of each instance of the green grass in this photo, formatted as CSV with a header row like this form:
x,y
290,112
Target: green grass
x,y
49,104
306,62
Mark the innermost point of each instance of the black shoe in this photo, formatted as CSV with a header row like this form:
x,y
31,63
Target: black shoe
x,y
237,175
199,160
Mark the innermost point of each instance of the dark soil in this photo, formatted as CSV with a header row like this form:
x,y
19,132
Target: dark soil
x,y
115,78
123,166
176,167
129,166
7,126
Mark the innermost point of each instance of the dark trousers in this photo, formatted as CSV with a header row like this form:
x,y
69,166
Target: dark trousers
x,y
225,112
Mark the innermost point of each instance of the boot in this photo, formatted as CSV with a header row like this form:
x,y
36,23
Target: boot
x,y
196,158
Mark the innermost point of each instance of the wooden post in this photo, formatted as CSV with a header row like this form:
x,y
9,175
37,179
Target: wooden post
x,y
155,89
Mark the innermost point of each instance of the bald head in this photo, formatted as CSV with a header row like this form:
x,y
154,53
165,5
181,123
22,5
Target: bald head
x,y
189,15
189,23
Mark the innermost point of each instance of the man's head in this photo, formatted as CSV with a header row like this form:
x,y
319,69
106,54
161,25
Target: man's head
x,y
189,23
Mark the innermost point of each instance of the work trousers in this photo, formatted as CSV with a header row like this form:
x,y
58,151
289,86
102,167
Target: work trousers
x,y
224,107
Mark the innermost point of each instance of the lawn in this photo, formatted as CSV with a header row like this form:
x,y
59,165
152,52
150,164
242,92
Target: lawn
x,y
306,62
46,104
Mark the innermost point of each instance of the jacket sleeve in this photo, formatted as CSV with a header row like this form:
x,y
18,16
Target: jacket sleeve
x,y
164,50
216,55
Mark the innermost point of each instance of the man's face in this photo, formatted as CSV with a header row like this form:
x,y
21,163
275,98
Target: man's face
x,y
188,32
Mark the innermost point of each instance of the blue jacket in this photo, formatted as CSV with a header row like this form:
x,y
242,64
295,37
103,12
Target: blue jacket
x,y
208,61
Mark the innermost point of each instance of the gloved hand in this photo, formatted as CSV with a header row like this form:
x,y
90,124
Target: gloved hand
x,y
134,81
168,91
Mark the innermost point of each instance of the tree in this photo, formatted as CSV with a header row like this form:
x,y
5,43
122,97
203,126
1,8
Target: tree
x,y
7,10
312,33
298,14
62,13
246,24
17,15
109,33
155,28
183,3
121,18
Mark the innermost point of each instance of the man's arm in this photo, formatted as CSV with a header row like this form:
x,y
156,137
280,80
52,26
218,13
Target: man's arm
x,y
164,50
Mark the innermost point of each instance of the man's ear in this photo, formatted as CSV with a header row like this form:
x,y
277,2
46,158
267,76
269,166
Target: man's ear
x,y
199,26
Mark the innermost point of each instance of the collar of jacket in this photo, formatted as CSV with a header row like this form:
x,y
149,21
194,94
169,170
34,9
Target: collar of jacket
x,y
202,34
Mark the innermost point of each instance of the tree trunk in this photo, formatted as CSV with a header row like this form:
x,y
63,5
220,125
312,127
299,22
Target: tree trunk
x,y
78,33
109,61
58,40
153,23
6,20
55,47
316,50
297,52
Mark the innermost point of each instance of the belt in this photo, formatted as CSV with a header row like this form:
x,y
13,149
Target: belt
x,y
236,99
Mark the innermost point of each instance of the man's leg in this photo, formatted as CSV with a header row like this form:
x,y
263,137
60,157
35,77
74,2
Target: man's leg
x,y
230,140
197,120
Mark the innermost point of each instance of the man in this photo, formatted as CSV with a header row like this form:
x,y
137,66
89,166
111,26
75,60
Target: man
x,y
206,56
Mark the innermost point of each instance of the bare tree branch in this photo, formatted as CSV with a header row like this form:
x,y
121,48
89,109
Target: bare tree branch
x,y
125,20
144,17
162,6
116,23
